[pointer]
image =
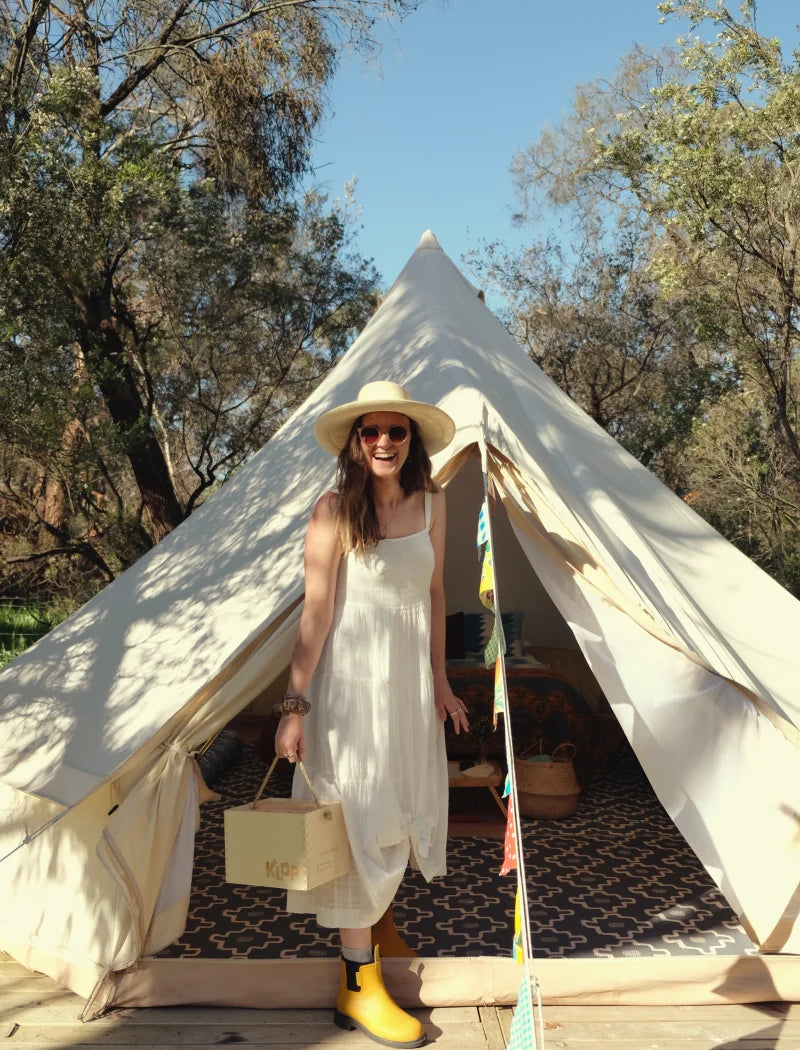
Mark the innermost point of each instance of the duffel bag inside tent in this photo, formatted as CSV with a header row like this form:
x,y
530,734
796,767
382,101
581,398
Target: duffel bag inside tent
x,y
695,648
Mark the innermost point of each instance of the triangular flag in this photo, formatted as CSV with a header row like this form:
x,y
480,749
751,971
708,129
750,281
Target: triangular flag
x,y
510,843
522,1036
486,587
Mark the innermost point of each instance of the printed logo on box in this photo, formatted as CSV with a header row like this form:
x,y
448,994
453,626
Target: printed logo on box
x,y
281,870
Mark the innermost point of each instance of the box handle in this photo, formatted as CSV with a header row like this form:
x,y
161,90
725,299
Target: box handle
x,y
269,774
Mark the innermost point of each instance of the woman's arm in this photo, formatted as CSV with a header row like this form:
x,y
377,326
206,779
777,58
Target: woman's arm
x,y
447,704
323,554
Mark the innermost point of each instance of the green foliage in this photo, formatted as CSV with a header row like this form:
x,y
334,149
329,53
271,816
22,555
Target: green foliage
x,y
697,149
21,625
712,160
599,325
167,295
736,474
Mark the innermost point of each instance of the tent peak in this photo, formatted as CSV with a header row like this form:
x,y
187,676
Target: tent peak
x,y
428,240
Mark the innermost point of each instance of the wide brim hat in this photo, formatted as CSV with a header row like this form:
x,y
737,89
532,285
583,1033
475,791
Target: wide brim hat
x,y
436,428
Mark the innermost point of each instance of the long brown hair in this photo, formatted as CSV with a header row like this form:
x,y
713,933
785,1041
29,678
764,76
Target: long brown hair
x,y
358,525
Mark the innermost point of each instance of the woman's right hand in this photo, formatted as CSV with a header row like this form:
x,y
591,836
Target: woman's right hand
x,y
290,739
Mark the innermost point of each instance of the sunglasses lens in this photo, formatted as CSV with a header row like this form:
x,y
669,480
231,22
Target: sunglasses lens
x,y
370,435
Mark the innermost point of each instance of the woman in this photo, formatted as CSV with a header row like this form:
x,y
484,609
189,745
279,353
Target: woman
x,y
367,691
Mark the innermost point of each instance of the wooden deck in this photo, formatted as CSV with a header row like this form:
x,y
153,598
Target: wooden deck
x,y
36,1013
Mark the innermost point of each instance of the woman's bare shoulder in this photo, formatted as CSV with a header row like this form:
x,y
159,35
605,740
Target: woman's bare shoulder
x,y
437,505
327,507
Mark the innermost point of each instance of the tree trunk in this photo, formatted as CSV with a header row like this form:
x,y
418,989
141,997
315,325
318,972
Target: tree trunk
x,y
104,353
51,496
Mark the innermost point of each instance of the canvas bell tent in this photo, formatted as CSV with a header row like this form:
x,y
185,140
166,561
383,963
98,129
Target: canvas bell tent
x,y
694,647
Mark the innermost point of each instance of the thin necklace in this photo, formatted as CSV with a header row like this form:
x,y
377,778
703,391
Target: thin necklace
x,y
384,529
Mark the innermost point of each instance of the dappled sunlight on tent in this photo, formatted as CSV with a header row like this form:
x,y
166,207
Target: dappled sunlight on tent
x,y
60,868
692,650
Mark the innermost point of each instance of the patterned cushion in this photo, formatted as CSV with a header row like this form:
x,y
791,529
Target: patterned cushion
x,y
478,633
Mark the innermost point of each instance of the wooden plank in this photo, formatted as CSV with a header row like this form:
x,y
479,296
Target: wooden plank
x,y
165,1015
66,1006
453,1037
675,1038
470,1033
28,982
495,1039
458,1037
214,1015
358,1040
505,1015
333,1037
678,1043
708,1012
610,1031
37,1014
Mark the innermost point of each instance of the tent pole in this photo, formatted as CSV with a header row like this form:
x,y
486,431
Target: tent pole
x,y
529,986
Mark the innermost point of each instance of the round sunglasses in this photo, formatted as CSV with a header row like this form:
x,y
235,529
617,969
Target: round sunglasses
x,y
370,435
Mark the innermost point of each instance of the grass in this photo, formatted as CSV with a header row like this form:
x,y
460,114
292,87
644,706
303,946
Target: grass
x,y
21,625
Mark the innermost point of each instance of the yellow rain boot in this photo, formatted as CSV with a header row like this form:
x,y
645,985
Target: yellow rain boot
x,y
364,1003
386,937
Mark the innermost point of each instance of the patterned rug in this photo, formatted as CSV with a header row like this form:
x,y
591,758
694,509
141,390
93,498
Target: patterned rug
x,y
616,879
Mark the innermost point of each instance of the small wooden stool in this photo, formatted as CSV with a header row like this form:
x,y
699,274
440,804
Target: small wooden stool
x,y
458,779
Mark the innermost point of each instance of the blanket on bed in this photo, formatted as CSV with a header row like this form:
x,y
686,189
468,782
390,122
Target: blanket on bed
x,y
544,708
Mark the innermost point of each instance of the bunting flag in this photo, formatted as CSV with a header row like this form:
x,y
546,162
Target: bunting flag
x,y
523,1034
486,587
518,952
483,527
510,843
492,650
499,705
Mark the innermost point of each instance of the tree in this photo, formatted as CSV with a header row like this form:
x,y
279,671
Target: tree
x,y
737,476
713,159
598,324
698,148
166,296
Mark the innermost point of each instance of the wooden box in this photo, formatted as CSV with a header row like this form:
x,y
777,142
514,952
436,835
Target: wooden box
x,y
288,843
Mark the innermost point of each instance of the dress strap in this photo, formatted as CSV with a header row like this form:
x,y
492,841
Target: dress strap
x,y
428,511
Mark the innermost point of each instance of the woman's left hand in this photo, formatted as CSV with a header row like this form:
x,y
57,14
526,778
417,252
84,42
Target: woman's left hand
x,y
448,705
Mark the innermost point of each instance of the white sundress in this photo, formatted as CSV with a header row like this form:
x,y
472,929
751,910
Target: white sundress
x,y
373,738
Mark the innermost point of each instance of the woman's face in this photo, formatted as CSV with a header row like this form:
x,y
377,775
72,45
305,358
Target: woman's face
x,y
384,457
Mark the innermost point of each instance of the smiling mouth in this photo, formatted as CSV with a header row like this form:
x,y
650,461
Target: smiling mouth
x,y
384,457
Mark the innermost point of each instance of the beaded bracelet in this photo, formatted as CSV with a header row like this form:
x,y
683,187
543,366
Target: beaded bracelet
x,y
292,704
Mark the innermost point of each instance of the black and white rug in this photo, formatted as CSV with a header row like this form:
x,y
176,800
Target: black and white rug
x,y
615,880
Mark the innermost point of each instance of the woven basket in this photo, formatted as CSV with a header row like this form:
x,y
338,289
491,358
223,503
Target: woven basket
x,y
546,786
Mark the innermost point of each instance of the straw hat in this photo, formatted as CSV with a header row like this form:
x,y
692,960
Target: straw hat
x,y
435,426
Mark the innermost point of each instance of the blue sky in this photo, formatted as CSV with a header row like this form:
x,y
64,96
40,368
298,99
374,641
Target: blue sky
x,y
461,87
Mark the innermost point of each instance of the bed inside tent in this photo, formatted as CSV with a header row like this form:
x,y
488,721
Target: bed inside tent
x,y
620,908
